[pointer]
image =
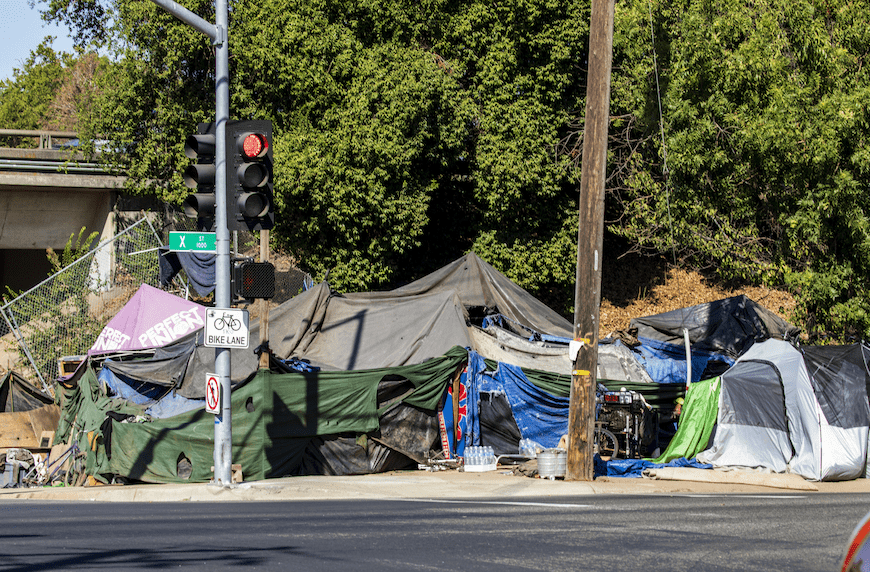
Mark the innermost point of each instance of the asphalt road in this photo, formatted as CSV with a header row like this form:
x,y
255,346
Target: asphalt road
x,y
594,532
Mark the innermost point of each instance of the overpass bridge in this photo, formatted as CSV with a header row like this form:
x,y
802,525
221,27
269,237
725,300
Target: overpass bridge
x,y
48,193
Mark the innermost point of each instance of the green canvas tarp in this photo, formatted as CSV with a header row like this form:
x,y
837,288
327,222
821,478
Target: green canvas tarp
x,y
696,422
275,416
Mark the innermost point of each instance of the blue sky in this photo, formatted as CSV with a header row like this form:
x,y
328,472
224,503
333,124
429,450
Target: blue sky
x,y
21,30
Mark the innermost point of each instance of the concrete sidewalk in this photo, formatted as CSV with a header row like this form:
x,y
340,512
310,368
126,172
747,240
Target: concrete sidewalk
x,y
448,484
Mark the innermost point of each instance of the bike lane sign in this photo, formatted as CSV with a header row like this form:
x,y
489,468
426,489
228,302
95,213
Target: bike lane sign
x,y
226,328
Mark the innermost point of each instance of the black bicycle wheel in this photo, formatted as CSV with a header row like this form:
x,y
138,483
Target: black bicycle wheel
x,y
607,445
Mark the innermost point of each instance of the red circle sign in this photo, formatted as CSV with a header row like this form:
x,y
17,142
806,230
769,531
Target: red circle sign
x,y
212,394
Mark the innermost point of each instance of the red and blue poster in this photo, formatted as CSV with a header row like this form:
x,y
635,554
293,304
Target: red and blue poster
x,y
454,447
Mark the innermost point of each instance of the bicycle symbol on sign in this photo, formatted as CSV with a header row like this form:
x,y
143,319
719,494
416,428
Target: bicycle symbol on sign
x,y
228,321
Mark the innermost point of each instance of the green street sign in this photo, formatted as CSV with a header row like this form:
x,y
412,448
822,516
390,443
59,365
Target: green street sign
x,y
192,242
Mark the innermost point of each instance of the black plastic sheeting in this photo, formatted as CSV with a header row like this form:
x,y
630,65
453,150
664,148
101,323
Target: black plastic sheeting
x,y
729,326
498,428
17,395
840,379
408,435
166,365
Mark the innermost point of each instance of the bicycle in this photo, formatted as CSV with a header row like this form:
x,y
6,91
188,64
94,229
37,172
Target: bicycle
x,y
229,321
605,443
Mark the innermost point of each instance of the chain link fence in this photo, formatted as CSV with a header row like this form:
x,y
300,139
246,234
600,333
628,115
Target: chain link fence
x,y
64,314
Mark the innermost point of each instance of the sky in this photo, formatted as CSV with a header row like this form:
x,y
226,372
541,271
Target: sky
x,y
21,30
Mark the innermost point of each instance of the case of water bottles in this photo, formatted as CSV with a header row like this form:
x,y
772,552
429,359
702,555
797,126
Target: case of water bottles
x,y
530,448
479,459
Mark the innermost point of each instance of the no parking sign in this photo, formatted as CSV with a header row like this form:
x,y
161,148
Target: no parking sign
x,y
212,393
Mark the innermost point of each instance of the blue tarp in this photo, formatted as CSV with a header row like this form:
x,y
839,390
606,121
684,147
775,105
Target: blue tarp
x,y
533,336
162,403
666,363
540,416
633,468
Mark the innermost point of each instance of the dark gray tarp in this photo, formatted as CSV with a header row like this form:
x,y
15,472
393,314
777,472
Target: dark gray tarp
x,y
729,326
165,366
840,379
18,395
346,333
479,285
498,428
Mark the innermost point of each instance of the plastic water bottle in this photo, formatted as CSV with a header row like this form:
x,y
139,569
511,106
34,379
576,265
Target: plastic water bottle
x,y
472,456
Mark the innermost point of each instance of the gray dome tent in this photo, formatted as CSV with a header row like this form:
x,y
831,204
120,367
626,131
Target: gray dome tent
x,y
803,412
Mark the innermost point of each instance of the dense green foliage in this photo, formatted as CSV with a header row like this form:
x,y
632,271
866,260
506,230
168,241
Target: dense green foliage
x,y
766,131
26,96
410,132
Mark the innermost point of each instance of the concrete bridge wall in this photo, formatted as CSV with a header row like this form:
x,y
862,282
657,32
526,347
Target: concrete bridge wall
x,y
47,195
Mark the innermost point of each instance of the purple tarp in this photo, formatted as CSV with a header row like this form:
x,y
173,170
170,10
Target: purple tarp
x,y
152,318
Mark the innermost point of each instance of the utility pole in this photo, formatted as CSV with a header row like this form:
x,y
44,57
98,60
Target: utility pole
x,y
223,432
590,238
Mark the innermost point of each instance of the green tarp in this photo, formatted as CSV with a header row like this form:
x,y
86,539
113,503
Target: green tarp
x,y
696,422
274,417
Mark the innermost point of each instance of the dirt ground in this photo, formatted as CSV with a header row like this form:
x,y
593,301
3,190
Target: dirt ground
x,y
636,286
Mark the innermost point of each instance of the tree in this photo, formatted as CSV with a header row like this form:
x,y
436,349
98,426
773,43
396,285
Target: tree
x,y
52,91
410,132
765,129
406,133
25,99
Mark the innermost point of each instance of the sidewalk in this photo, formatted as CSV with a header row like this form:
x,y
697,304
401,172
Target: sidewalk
x,y
411,485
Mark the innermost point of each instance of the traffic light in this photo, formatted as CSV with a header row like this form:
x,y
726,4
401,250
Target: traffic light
x,y
249,175
201,176
253,280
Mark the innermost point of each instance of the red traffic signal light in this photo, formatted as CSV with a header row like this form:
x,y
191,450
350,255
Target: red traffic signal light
x,y
249,175
254,145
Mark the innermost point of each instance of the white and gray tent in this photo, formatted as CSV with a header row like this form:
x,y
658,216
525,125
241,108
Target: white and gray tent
x,y
799,411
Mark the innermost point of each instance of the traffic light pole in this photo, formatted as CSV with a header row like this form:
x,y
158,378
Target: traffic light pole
x,y
223,433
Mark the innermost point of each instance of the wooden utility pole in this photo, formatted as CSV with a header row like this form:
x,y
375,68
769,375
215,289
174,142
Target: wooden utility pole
x,y
590,238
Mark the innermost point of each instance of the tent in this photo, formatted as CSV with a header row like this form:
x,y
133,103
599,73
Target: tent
x,y
280,422
151,318
333,337
424,319
803,411
25,413
719,332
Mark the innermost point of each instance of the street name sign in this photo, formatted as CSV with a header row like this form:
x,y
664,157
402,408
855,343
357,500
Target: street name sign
x,y
193,241
226,328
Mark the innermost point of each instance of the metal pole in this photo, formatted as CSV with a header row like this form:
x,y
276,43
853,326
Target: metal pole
x,y
590,238
688,358
223,433
223,427
264,304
